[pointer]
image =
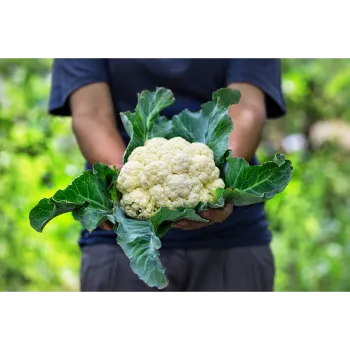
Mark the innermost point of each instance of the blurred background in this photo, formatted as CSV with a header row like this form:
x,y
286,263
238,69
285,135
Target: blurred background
x,y
310,220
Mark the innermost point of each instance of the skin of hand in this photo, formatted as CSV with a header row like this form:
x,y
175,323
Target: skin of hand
x,y
94,126
213,215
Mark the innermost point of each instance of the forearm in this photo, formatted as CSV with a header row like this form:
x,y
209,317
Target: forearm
x,y
94,126
98,139
248,117
246,136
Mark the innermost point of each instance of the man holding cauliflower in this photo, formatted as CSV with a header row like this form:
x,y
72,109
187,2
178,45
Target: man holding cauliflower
x,y
231,252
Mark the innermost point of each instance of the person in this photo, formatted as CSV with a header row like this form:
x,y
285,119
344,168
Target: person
x,y
233,253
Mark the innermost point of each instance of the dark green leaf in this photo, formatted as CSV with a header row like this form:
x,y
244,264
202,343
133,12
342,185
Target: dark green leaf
x,y
240,198
145,122
211,125
105,174
48,209
226,97
140,241
254,184
163,219
150,104
136,129
87,197
162,128
233,168
217,203
140,244
108,178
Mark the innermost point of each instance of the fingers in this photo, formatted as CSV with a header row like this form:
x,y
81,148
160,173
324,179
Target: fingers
x,y
213,215
108,226
218,215
190,225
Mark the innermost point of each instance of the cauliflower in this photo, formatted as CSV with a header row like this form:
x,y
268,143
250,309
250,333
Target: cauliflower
x,y
167,173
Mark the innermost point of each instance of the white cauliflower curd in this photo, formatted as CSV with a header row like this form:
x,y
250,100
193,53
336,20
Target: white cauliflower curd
x,y
167,173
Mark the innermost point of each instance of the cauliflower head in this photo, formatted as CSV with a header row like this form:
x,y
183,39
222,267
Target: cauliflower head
x,y
167,173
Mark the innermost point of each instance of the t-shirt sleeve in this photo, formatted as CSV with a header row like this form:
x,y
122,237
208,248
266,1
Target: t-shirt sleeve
x,y
264,74
68,75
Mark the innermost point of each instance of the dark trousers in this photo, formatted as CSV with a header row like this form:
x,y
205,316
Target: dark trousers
x,y
106,268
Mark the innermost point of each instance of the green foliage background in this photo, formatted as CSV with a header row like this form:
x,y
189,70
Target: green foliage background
x,y
38,155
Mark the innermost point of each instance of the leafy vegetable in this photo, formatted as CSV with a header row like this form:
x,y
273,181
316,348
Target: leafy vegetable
x,y
93,198
87,197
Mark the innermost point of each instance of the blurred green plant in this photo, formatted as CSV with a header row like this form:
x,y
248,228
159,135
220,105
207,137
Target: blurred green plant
x,y
311,219
38,154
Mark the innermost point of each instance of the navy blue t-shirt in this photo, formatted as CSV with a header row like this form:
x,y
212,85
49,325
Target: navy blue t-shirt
x,y
192,82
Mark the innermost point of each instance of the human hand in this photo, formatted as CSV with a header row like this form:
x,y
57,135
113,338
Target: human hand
x,y
107,225
213,215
